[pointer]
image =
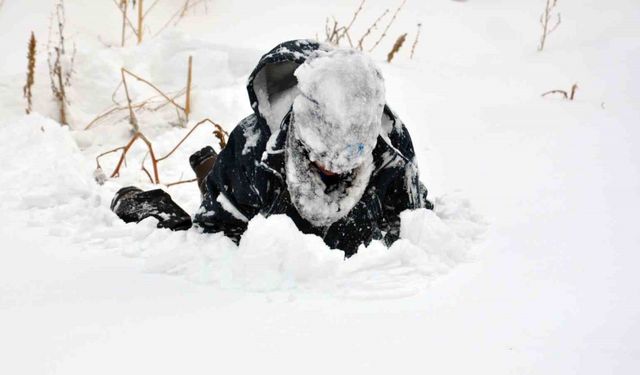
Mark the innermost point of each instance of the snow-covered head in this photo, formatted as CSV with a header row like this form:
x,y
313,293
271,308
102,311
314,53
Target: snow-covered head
x,y
335,126
337,115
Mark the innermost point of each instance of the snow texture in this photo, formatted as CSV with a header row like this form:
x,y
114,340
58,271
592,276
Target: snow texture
x,y
272,254
338,114
552,288
318,203
336,122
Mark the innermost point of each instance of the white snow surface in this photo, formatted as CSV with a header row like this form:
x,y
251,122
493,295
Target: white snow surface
x,y
551,288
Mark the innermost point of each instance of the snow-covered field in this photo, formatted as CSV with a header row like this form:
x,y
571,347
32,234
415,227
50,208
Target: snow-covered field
x,y
527,266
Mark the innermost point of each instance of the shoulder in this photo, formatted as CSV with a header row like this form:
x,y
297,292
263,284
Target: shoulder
x,y
396,134
248,138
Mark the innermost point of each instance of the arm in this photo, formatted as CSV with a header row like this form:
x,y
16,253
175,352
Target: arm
x,y
232,195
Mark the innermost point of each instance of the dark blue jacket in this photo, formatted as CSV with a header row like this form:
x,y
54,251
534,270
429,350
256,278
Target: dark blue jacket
x,y
248,177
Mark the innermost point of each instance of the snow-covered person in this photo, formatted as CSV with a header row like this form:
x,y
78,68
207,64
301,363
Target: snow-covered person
x,y
322,147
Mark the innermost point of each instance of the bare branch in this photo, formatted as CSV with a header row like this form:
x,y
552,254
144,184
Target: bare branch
x,y
384,32
415,41
562,92
545,18
373,26
181,182
124,70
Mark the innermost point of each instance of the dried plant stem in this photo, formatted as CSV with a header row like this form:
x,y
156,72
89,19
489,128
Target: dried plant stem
x,y
185,7
140,79
371,28
61,99
384,32
178,15
181,182
150,8
136,106
31,66
573,91
219,132
132,116
187,104
396,47
59,75
415,42
125,149
562,92
355,15
545,19
124,6
140,20
567,96
335,34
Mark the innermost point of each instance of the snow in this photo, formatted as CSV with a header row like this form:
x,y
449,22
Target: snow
x,y
230,208
309,194
275,106
338,116
272,255
551,287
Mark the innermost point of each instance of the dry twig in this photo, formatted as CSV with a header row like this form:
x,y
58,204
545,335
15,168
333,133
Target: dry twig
x,y
335,34
137,106
415,42
567,96
545,20
181,182
187,103
218,132
140,20
373,26
59,75
384,32
132,120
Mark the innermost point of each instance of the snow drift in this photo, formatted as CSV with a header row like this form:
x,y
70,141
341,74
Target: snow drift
x,y
58,192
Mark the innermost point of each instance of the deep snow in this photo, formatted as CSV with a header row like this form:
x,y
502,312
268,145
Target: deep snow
x,y
552,288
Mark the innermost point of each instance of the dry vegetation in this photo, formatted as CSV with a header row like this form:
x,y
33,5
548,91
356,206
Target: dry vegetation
x,y
218,132
31,68
396,47
415,41
566,95
338,34
152,104
60,62
141,13
546,22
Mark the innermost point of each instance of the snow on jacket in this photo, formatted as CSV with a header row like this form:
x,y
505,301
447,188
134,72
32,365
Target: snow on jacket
x,y
249,176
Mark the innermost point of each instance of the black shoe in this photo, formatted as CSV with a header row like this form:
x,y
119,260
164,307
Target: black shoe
x,y
134,205
202,163
199,157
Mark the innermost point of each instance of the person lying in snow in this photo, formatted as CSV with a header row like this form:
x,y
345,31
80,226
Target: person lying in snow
x,y
321,147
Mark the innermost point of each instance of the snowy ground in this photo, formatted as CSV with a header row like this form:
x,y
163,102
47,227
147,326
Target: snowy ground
x,y
550,287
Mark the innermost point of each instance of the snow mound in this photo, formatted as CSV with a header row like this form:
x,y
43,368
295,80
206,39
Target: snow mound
x,y
50,184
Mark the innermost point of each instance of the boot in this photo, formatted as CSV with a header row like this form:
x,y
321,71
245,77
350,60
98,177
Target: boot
x,y
134,205
202,163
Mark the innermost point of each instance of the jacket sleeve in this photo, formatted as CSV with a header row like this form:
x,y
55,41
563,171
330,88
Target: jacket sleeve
x,y
232,194
406,192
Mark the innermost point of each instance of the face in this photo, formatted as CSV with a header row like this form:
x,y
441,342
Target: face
x,y
323,169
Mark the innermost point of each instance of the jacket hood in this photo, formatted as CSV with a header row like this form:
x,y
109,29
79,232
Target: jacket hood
x,y
272,86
